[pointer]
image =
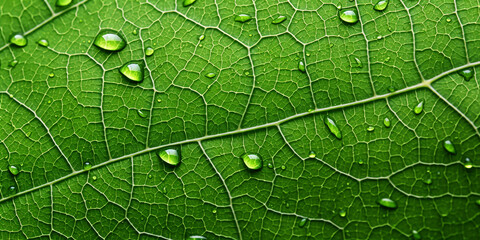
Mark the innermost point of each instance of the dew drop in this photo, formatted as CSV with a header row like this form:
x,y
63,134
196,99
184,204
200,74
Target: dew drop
x,y
13,170
387,59
164,190
43,42
270,165
349,15
332,126
133,71
201,37
427,181
150,176
360,162
387,203
359,62
243,18
387,122
159,100
87,166
63,3
448,145
381,5
18,40
149,51
339,6
279,19
210,75
478,202
301,66
110,40
141,113
134,32
416,235
12,188
370,128
214,211
419,108
252,161
169,156
468,163
342,213
466,73
391,89
312,154
13,63
196,237
302,222
449,20
187,3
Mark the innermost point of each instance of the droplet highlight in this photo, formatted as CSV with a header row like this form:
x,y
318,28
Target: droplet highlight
x,y
133,71
196,237
348,15
252,161
448,145
170,156
110,40
141,113
243,18
358,62
312,154
387,203
416,235
332,126
381,5
279,19
18,40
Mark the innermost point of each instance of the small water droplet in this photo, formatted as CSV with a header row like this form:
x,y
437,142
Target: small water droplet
x,y
387,59
134,32
247,73
301,66
386,122
43,42
478,202
63,3
164,190
87,166
339,6
243,18
252,161
187,3
210,75
360,162
310,110
391,89
449,20
419,108
283,167
110,40
149,51
94,178
448,145
13,170
214,211
169,156
49,101
427,181
332,126
342,213
141,113
381,5
133,71
150,176
359,62
302,222
159,100
416,235
467,73
201,37
13,63
387,203
370,128
468,163
279,19
12,189
379,37
18,40
349,15
269,165
312,154
196,237
51,75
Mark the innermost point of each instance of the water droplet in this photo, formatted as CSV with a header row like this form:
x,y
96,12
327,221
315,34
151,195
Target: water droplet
x,y
210,75
141,113
468,163
332,126
13,170
12,188
169,156
379,37
348,15
449,20
159,100
196,237
201,37
13,63
133,71
247,73
339,6
187,3
287,205
416,235
270,165
391,89
243,18
448,145
310,110
252,161
427,181
149,51
110,40
63,3
311,154
419,108
360,162
466,73
18,40
87,166
387,203
283,167
386,122
342,213
478,202
381,5
301,66
302,222
279,19
164,190
387,59
359,63
134,32
214,211
43,42
150,176
370,128
49,101
51,75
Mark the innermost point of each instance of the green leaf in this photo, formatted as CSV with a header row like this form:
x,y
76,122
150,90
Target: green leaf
x,y
84,139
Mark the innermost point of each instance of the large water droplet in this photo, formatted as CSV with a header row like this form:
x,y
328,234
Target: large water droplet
x,y
169,156
13,170
63,3
43,42
468,163
187,3
133,71
387,203
448,145
386,122
467,73
210,75
311,154
301,66
302,222
87,166
416,235
110,40
381,5
149,51
18,40
332,126
141,113
252,161
348,15
243,18
279,19
419,108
